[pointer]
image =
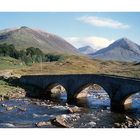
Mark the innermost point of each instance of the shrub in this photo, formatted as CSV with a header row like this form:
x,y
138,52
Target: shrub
x,y
29,56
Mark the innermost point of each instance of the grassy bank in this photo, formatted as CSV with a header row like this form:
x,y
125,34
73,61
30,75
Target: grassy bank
x,y
10,63
8,91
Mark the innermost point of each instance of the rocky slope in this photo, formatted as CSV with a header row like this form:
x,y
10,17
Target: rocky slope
x,y
121,50
25,37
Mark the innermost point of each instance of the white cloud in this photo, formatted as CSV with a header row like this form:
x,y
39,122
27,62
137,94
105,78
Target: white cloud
x,y
103,22
93,41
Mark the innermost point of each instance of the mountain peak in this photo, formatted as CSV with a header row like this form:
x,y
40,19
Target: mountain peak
x,y
86,50
124,39
121,50
24,37
86,47
24,27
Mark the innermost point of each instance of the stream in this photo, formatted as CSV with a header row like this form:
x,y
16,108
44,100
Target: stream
x,y
26,112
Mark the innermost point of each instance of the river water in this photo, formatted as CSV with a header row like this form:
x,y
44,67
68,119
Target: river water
x,y
26,112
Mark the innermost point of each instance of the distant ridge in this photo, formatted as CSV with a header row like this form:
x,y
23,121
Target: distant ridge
x,y
25,37
121,50
87,50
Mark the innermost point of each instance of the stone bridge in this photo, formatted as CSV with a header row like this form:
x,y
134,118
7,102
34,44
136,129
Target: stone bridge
x,y
118,88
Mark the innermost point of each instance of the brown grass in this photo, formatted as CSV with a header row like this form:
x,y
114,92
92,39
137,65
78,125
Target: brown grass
x,y
83,65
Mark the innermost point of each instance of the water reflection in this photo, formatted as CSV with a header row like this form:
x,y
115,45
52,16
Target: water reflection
x,y
62,97
132,103
136,101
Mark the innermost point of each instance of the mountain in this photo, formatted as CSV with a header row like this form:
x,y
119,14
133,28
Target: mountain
x,y
121,50
25,37
87,50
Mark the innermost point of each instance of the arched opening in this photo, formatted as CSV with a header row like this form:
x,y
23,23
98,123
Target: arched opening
x,y
56,92
93,96
132,102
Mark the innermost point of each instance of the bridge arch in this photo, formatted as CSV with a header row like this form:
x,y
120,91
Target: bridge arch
x,y
127,101
55,90
86,85
91,94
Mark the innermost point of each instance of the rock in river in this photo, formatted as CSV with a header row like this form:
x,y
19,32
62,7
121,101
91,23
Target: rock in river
x,y
5,125
117,125
60,121
9,108
41,124
22,109
74,109
92,124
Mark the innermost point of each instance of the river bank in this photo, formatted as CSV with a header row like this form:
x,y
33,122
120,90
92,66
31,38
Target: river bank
x,y
8,90
11,88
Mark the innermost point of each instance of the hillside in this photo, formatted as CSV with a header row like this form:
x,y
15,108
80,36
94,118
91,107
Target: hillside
x,y
80,64
121,50
25,37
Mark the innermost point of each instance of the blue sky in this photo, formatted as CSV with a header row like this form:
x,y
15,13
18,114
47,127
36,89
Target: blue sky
x,y
97,29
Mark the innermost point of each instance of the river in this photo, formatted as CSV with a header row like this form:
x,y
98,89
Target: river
x,y
26,112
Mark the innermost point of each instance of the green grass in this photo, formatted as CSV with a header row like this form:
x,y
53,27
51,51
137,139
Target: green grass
x,y
10,63
2,82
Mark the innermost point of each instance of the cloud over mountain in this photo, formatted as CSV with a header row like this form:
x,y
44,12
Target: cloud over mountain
x,y
93,41
103,22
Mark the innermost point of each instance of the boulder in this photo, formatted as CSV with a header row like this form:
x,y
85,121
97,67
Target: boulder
x,y
3,105
74,109
117,125
128,118
137,123
9,108
22,109
41,124
60,121
92,124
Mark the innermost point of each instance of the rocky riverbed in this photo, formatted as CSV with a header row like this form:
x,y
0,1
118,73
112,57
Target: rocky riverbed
x,y
28,113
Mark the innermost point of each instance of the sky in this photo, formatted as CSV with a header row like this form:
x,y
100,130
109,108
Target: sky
x,y
97,29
